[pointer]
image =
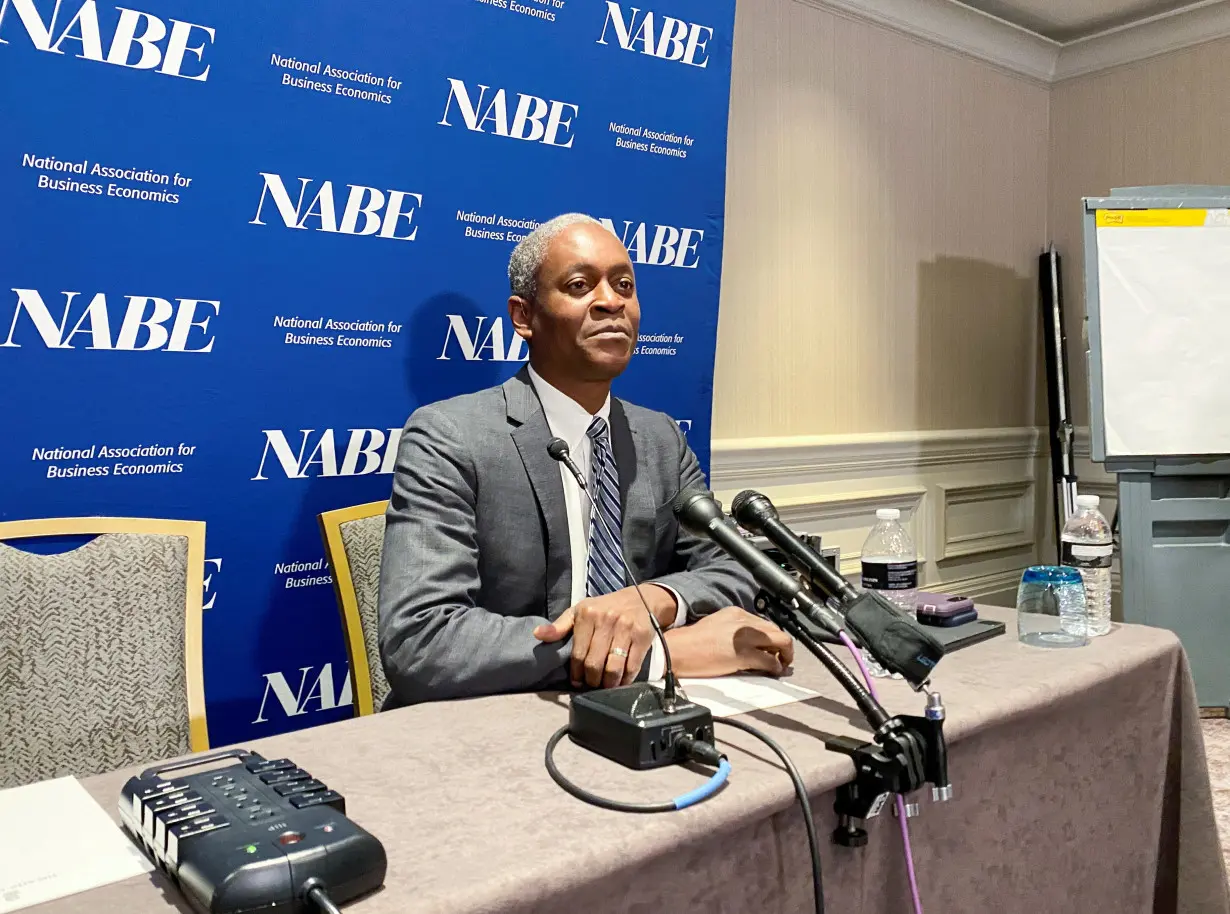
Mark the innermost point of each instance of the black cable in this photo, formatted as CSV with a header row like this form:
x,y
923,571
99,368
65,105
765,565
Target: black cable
x,y
670,682
593,798
703,752
558,449
872,710
323,901
801,792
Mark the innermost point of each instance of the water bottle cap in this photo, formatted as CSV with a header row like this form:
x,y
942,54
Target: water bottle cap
x,y
1087,501
887,514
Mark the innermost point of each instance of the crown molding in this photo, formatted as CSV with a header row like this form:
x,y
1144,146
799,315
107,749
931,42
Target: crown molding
x,y
960,28
1014,49
1182,28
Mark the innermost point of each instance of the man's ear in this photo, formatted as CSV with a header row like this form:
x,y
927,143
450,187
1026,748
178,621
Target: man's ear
x,y
519,314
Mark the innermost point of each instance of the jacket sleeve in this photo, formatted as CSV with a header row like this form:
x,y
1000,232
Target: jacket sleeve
x,y
435,641
701,573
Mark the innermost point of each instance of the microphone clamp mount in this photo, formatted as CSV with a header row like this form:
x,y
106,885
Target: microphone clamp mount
x,y
908,751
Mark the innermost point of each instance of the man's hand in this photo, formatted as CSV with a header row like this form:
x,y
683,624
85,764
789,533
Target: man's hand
x,y
610,634
730,640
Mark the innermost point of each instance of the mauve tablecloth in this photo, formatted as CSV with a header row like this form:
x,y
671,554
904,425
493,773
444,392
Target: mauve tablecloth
x,y
1079,776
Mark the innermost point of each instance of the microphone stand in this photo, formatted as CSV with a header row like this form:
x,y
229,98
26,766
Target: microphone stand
x,y
911,750
558,449
777,611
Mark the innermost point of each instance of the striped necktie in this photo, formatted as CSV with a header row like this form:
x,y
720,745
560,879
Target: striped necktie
x,y
605,573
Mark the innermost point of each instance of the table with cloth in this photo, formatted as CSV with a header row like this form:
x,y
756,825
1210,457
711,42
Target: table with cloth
x,y
1079,777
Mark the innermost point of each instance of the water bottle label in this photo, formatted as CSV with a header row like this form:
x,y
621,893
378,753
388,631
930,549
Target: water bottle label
x,y
1077,555
890,575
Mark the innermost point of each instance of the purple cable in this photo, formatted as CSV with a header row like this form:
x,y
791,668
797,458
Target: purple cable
x,y
905,827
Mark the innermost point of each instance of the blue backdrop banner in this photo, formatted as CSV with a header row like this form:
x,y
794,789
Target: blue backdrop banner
x,y
241,242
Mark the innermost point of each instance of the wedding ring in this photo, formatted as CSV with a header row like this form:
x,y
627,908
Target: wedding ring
x,y
619,652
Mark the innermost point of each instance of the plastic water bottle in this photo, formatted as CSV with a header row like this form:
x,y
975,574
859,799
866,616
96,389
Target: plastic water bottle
x,y
890,566
1087,545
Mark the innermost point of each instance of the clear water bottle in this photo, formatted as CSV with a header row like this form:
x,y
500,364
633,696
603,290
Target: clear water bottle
x,y
1087,545
890,567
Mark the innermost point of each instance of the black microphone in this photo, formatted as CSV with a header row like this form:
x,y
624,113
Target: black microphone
x,y
896,644
756,513
559,451
699,513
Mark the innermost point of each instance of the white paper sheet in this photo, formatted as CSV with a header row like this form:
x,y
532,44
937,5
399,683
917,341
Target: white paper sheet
x,y
1164,300
57,841
731,695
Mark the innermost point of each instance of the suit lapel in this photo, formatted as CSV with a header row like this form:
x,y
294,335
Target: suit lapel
x,y
531,434
635,497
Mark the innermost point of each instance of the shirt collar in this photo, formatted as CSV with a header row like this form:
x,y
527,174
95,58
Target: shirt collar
x,y
565,416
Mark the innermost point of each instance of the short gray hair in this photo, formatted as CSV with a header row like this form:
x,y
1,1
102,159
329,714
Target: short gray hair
x,y
528,255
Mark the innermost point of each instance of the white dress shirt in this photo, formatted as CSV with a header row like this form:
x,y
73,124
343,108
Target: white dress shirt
x,y
569,420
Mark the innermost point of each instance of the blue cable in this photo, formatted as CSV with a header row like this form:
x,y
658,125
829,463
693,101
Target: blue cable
x,y
706,790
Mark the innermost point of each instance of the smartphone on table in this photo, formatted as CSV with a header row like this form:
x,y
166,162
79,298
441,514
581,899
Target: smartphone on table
x,y
943,609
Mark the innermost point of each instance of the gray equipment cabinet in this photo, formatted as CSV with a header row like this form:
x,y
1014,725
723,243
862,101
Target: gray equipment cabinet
x,y
1174,508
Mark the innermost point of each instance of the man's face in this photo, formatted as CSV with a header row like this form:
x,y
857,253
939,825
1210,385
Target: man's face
x,y
584,320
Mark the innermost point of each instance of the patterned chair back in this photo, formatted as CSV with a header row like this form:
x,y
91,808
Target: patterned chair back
x,y
92,656
363,540
354,541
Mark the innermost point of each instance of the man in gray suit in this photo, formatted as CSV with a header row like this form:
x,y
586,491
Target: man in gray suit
x,y
499,574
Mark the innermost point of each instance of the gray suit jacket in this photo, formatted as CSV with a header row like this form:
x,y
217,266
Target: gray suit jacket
x,y
476,550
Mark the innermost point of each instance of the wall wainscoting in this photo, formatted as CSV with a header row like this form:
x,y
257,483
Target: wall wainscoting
x,y
974,500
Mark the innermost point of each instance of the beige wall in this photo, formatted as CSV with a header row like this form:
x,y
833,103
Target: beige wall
x,y
1159,121
888,196
884,196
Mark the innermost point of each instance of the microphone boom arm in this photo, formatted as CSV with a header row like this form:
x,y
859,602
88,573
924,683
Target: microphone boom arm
x,y
872,710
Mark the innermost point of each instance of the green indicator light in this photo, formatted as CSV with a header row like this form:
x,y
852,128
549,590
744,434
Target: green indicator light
x,y
251,848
